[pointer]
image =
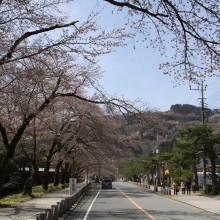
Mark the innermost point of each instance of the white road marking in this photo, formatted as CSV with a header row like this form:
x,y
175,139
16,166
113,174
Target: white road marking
x,y
89,209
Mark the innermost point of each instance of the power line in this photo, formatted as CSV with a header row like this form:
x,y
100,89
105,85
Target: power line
x,y
214,97
188,98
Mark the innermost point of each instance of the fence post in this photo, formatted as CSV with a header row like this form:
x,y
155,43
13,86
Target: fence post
x,y
55,212
41,216
60,208
49,214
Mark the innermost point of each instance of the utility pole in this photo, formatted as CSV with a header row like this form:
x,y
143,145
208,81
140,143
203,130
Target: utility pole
x,y
202,104
202,101
203,122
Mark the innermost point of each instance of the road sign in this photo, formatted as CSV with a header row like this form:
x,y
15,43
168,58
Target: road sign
x,y
73,185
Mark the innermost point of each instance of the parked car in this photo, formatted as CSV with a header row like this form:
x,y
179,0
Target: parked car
x,y
106,184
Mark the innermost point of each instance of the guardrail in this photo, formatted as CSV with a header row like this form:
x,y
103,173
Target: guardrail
x,y
62,207
163,190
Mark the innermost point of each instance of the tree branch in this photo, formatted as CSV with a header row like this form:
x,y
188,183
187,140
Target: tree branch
x,y
29,117
4,136
144,10
26,35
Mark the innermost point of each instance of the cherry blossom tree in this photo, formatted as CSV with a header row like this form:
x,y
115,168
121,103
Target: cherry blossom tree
x,y
45,60
42,59
188,30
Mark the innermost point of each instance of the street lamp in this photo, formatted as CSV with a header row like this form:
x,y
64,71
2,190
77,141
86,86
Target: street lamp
x,y
163,174
156,179
72,156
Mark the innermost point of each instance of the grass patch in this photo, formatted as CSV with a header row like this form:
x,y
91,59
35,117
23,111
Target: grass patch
x,y
52,188
200,193
16,198
38,191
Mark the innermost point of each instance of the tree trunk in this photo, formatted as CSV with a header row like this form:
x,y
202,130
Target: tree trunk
x,y
28,186
213,171
196,176
57,173
4,167
45,176
64,174
35,173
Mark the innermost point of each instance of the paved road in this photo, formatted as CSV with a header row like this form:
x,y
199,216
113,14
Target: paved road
x,y
129,201
28,210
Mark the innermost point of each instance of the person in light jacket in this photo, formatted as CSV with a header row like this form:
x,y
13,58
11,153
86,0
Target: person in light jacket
x,y
183,187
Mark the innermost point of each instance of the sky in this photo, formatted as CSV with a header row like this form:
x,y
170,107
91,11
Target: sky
x,y
134,73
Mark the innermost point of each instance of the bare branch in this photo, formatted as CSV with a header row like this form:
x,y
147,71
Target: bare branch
x,y
10,52
144,10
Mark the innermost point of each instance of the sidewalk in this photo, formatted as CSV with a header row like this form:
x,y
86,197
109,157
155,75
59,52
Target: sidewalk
x,y
211,204
28,210
208,203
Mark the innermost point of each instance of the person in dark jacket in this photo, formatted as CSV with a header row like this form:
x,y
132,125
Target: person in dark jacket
x,y
188,187
194,187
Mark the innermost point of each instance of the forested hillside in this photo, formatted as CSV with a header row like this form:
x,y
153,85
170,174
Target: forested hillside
x,y
147,141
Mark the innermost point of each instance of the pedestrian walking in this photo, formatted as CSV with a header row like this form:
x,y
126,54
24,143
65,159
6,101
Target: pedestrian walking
x,y
183,187
188,187
194,187
175,187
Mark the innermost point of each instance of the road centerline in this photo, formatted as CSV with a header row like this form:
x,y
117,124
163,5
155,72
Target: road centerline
x,y
136,205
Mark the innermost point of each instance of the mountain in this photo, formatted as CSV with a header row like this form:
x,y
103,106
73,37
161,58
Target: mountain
x,y
146,140
188,113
